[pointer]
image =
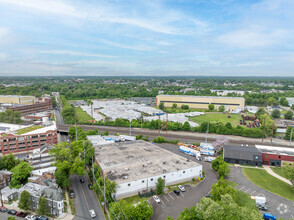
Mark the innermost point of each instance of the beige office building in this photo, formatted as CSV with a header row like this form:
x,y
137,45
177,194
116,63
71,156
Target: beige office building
x,y
202,102
17,99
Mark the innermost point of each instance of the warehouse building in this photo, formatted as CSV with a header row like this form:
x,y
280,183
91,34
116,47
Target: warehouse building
x,y
17,99
19,138
202,102
243,155
136,165
275,156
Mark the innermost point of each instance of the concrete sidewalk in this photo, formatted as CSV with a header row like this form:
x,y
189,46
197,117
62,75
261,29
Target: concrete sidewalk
x,y
269,170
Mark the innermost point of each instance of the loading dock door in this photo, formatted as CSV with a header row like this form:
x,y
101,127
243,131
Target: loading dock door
x,y
276,163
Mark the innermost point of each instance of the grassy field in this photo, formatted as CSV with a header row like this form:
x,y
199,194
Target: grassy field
x,y
82,116
243,199
264,180
28,129
217,117
278,170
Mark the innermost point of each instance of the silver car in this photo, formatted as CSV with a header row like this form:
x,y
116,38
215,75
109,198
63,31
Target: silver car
x,y
182,188
92,213
156,199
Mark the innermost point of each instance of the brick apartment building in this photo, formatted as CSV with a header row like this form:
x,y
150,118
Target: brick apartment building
x,y
11,141
5,178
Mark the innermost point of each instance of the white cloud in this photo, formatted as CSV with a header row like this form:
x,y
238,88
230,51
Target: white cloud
x,y
74,53
3,32
248,38
136,47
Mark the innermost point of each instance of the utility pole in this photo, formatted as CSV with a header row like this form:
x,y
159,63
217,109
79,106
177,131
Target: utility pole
x,y
76,123
272,135
92,112
207,132
104,196
263,131
291,135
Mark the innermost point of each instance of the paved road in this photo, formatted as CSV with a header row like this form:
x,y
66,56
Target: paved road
x,y
85,199
4,216
171,204
273,201
187,137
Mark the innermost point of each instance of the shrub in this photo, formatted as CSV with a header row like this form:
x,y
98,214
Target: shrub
x,y
211,107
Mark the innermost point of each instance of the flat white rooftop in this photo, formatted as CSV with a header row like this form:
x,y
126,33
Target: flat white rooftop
x,y
135,160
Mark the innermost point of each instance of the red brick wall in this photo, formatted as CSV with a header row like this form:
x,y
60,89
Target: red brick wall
x,y
267,157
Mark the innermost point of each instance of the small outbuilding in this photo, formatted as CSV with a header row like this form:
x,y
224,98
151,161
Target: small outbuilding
x,y
243,155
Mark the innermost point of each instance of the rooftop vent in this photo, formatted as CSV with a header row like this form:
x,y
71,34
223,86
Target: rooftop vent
x,y
177,161
126,168
164,171
188,160
125,177
164,162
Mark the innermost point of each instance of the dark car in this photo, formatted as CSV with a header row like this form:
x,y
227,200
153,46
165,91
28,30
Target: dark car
x,y
21,214
208,196
72,194
90,186
263,207
42,218
12,212
177,192
82,180
3,209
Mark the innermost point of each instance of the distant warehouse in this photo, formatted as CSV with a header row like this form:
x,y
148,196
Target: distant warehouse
x,y
202,102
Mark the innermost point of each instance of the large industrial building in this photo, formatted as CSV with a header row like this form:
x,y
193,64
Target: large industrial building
x,y
202,102
26,104
19,138
136,165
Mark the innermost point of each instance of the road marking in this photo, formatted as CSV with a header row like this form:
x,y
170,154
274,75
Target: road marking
x,y
182,194
170,196
252,192
241,188
149,202
85,198
165,198
260,194
247,190
163,203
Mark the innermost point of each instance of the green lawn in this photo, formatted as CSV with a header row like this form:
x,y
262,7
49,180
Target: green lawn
x,y
28,129
82,116
278,170
135,199
217,117
243,199
266,181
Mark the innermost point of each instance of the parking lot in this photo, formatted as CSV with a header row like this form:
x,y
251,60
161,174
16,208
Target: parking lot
x,y
278,206
171,204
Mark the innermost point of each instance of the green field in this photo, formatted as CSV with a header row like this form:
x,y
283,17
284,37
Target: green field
x,y
266,181
217,117
82,116
278,170
28,129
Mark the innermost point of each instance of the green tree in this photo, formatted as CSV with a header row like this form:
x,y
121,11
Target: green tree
x,y
174,106
43,207
25,200
283,101
161,105
221,108
288,133
229,125
185,107
288,171
292,107
272,101
288,115
20,174
10,161
223,170
160,186
186,126
10,116
276,113
220,188
80,132
211,107
142,211
260,111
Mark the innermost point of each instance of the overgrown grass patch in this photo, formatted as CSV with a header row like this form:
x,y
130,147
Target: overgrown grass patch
x,y
266,181
243,199
135,199
217,117
82,116
27,129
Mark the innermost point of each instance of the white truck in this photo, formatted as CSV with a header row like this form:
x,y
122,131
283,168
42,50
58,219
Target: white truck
x,y
190,151
260,200
208,159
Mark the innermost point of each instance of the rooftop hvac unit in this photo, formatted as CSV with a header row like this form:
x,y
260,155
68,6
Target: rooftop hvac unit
x,y
164,171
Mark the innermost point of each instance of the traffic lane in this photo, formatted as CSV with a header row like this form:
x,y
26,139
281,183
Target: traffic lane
x,y
81,204
278,206
92,199
172,205
4,215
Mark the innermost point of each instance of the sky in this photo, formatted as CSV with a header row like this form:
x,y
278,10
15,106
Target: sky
x,y
147,37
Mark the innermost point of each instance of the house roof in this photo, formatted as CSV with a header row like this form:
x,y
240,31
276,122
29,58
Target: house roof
x,y
242,153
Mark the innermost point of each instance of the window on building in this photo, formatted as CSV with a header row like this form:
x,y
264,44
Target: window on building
x,y
279,156
129,184
184,171
35,136
151,179
164,177
143,181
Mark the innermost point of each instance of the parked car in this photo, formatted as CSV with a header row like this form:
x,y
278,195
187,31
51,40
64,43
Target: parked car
x,y
208,196
177,192
182,188
90,186
263,207
156,199
268,216
31,217
42,218
92,213
72,194
21,214
3,209
82,180
12,212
